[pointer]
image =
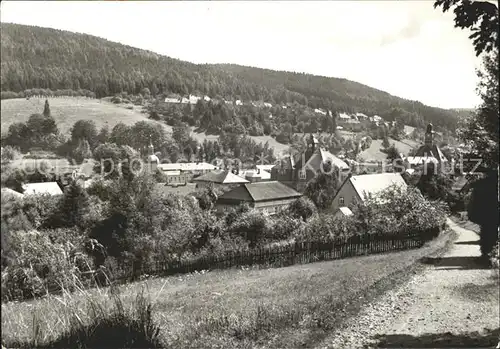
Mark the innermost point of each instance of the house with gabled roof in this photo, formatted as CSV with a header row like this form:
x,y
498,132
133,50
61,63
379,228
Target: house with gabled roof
x,y
50,188
296,171
224,179
268,197
359,188
7,192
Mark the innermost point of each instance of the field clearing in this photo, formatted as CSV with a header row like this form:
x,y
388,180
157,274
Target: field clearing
x,y
289,307
279,148
374,153
67,110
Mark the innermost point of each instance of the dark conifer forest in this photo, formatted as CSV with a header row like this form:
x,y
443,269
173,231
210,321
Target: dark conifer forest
x,y
42,58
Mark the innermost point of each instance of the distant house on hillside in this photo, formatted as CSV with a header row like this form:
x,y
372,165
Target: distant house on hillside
x,y
172,100
268,197
51,188
296,171
358,188
220,179
320,111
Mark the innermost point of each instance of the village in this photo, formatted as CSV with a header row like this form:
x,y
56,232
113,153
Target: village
x,y
284,179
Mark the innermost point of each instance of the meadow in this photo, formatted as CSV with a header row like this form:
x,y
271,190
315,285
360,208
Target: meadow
x,y
294,306
67,110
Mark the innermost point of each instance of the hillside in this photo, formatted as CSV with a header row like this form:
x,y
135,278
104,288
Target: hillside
x,y
33,57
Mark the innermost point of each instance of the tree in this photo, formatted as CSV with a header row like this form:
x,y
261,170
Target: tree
x,y
18,136
303,208
385,142
323,187
40,127
82,151
74,206
121,134
481,17
46,109
481,128
181,134
103,135
84,130
145,132
393,153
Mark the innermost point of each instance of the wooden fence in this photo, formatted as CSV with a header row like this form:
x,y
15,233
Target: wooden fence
x,y
272,257
281,256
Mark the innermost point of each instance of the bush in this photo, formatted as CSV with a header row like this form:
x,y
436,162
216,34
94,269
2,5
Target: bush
x,y
303,208
10,153
38,261
252,226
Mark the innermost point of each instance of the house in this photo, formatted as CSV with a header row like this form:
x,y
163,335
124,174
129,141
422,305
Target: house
x,y
357,188
267,105
193,99
238,102
320,111
344,117
206,99
175,178
296,171
267,168
177,190
255,175
50,188
190,169
220,179
343,212
172,100
268,197
7,192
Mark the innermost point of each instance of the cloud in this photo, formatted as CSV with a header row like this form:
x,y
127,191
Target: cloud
x,y
411,30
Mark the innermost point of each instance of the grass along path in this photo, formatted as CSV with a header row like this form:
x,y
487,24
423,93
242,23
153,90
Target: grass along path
x,y
295,306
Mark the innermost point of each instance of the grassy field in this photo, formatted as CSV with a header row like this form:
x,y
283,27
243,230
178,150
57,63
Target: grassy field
x,y
288,307
374,153
66,111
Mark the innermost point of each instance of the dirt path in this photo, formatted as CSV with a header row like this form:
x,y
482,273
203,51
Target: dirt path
x,y
454,303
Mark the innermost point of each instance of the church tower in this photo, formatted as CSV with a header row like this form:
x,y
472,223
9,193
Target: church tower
x,y
428,141
152,159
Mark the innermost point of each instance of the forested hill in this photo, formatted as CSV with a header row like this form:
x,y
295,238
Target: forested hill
x,y
34,57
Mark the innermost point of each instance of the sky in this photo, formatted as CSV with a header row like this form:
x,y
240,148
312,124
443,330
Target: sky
x,y
406,48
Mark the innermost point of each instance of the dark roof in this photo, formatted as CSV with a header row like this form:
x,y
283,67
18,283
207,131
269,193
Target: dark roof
x,y
261,191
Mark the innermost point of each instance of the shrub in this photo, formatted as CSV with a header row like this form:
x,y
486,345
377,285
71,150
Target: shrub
x,y
10,153
252,226
39,261
303,208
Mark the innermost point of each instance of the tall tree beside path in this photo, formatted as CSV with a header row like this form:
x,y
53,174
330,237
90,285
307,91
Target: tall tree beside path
x,y
481,129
